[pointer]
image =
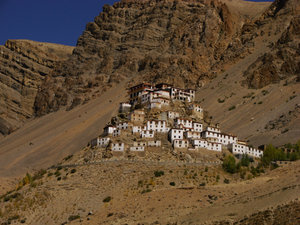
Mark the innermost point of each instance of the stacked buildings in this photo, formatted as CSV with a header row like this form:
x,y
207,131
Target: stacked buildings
x,y
182,131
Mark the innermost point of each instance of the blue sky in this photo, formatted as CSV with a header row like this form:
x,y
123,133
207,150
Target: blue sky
x,y
55,21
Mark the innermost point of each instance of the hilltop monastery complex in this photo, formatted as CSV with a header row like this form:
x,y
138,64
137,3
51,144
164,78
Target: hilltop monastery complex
x,y
163,112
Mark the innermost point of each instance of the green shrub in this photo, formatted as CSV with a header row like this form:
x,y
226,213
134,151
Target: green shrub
x,y
140,183
107,199
68,157
73,217
59,167
245,161
226,181
206,169
57,173
146,191
73,170
229,164
172,183
231,108
39,175
159,173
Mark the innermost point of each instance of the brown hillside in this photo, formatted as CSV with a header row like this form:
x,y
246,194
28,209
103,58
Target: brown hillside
x,y
202,44
23,66
120,192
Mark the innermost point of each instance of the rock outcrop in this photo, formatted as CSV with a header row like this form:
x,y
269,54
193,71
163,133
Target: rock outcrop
x,y
283,61
23,66
181,42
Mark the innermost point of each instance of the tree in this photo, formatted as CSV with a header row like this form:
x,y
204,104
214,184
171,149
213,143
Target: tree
x,y
245,161
229,164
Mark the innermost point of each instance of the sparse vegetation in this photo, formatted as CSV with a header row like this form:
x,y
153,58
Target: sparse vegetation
x,y
231,108
226,181
68,157
159,173
107,199
73,170
221,100
229,164
73,217
146,191
272,154
264,92
172,183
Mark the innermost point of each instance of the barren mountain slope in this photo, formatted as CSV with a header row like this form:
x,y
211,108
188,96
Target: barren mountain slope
x,y
270,114
23,66
43,142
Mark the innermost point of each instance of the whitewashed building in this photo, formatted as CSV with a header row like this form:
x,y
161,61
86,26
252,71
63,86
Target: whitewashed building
x,y
197,110
118,147
192,135
152,96
182,94
176,134
154,143
213,146
159,126
183,123
100,142
198,127
172,115
139,143
123,126
137,148
215,129
103,142
240,149
137,91
181,143
116,133
109,130
199,143
224,139
137,129
147,134
124,107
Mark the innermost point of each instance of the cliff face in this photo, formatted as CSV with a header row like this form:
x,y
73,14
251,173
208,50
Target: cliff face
x,y
283,61
23,66
181,42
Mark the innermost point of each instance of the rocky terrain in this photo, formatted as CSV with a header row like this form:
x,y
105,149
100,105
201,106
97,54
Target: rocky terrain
x,y
24,65
151,192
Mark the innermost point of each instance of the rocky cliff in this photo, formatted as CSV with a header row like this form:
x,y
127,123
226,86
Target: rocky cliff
x,y
23,66
181,42
283,61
